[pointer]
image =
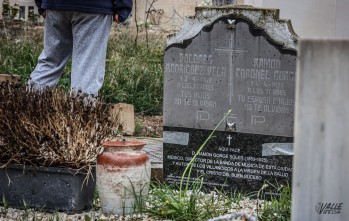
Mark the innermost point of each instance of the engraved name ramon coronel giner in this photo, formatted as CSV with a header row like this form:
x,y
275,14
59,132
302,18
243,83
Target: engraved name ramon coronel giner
x,y
328,208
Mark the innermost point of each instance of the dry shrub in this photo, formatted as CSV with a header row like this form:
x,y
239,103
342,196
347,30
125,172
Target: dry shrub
x,y
51,127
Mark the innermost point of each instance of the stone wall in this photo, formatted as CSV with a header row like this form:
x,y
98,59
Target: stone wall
x,y
26,6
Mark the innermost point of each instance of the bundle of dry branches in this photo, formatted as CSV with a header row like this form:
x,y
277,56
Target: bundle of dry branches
x,y
51,127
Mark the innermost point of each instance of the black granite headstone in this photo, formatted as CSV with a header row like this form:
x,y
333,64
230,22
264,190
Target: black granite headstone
x,y
229,65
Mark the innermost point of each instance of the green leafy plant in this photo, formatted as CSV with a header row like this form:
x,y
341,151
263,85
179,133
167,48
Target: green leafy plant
x,y
4,209
139,198
165,202
169,205
26,211
14,10
278,207
6,7
138,126
96,203
139,194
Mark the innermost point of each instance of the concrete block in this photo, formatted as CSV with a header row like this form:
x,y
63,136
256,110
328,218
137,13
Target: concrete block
x,y
124,115
157,172
321,160
10,78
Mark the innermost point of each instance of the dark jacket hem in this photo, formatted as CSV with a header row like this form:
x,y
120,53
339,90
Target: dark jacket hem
x,y
78,9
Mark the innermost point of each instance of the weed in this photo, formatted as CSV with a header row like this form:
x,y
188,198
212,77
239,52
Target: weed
x,y
187,171
165,202
87,218
26,211
278,208
138,126
96,203
134,198
4,209
139,198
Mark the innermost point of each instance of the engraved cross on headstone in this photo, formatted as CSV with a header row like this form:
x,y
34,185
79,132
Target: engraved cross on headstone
x,y
231,53
229,139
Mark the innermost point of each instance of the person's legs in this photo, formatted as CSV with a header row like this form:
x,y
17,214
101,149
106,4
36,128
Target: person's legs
x,y
90,34
58,44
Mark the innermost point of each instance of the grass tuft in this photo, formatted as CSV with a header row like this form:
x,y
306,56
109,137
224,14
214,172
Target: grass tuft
x,y
134,73
278,207
166,202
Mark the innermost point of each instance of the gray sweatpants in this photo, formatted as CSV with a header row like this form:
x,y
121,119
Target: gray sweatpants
x,y
80,36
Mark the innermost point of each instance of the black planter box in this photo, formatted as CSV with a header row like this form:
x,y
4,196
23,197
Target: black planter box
x,y
46,188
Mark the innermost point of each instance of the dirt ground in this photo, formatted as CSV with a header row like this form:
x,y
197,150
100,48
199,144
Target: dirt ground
x,y
148,126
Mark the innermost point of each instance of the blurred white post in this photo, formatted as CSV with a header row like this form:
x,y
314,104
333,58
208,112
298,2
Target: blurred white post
x,y
312,18
321,160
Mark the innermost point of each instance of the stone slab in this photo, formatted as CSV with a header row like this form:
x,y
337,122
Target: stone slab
x,y
154,149
10,78
229,161
124,115
226,68
321,161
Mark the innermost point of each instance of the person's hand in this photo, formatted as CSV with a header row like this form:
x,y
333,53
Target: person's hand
x,y
116,18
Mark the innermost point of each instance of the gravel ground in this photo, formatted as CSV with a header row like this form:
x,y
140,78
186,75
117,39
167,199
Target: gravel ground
x,y
245,210
19,215
16,215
